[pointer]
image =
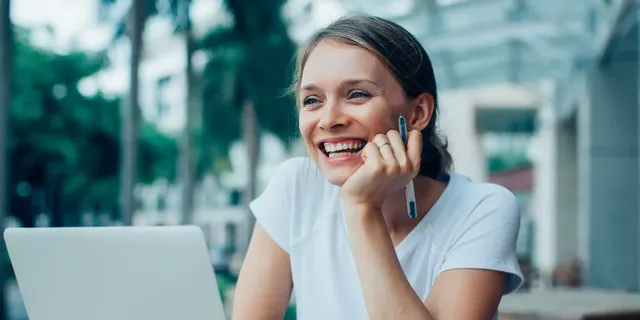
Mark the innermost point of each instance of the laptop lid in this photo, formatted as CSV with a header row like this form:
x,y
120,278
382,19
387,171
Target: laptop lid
x,y
106,273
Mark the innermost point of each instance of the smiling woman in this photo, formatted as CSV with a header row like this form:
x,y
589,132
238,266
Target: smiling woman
x,y
340,234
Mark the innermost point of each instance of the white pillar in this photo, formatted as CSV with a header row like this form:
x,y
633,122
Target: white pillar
x,y
555,198
458,124
567,193
543,199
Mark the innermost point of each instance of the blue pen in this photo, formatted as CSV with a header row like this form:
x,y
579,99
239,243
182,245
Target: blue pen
x,y
409,192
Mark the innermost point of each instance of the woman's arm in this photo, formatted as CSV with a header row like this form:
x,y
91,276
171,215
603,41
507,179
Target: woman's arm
x,y
457,294
264,285
465,289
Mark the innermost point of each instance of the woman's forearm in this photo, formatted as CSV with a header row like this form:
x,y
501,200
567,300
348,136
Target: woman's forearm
x,y
387,292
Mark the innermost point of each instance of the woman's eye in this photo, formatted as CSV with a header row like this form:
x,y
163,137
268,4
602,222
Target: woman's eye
x,y
359,95
310,101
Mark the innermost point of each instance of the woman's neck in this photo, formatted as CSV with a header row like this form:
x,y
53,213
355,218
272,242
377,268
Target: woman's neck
x,y
394,208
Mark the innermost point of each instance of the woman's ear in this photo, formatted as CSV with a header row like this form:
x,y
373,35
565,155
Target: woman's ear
x,y
423,107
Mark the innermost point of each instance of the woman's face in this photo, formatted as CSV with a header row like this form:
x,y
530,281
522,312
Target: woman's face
x,y
346,97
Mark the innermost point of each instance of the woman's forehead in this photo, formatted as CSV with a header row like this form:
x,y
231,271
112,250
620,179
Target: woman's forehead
x,y
332,61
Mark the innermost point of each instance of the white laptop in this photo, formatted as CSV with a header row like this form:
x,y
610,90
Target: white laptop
x,y
108,273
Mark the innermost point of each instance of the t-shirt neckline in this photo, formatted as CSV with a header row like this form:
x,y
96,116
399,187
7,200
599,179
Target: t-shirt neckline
x,y
414,235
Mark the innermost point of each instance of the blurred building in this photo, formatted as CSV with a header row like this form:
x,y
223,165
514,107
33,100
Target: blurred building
x,y
593,160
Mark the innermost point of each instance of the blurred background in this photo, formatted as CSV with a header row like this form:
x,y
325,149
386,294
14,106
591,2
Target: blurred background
x,y
164,112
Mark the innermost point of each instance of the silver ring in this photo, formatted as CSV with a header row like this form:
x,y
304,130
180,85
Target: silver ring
x,y
384,144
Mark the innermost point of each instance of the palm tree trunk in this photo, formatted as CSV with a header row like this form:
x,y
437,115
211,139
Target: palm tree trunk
x,y
130,117
187,150
6,65
252,142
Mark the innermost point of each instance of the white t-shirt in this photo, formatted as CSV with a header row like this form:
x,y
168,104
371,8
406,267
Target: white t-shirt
x,y
472,225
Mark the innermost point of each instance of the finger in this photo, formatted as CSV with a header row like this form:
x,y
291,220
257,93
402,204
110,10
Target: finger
x,y
371,155
414,149
399,150
384,147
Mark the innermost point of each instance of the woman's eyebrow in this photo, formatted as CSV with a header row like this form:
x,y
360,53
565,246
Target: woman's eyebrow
x,y
359,81
310,86
348,82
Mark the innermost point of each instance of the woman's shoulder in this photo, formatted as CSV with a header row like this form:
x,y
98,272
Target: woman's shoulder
x,y
484,200
476,193
483,230
302,184
292,200
493,193
299,171
311,198
294,162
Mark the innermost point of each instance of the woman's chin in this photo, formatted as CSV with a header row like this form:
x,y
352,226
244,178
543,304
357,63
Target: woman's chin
x,y
337,181
337,176
338,170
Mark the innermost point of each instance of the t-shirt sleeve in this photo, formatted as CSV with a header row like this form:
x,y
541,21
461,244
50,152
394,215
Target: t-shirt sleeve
x,y
487,239
272,208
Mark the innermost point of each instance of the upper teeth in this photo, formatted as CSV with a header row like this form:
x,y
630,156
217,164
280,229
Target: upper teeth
x,y
333,147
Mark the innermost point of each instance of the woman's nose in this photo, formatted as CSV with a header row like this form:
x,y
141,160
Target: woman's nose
x,y
332,116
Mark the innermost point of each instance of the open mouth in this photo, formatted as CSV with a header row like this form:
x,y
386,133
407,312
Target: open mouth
x,y
343,148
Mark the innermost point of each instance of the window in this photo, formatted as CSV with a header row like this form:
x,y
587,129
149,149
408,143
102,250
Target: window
x,y
161,203
235,198
230,232
161,105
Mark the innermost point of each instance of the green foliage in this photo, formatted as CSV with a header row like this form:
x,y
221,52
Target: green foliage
x,y
176,10
225,282
158,155
58,136
291,313
151,9
251,60
504,162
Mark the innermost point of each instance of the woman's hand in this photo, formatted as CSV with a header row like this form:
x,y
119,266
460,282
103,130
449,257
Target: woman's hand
x,y
388,167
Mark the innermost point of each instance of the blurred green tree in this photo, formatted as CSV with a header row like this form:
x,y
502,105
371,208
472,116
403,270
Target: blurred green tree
x,y
180,12
245,81
64,145
6,77
132,25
